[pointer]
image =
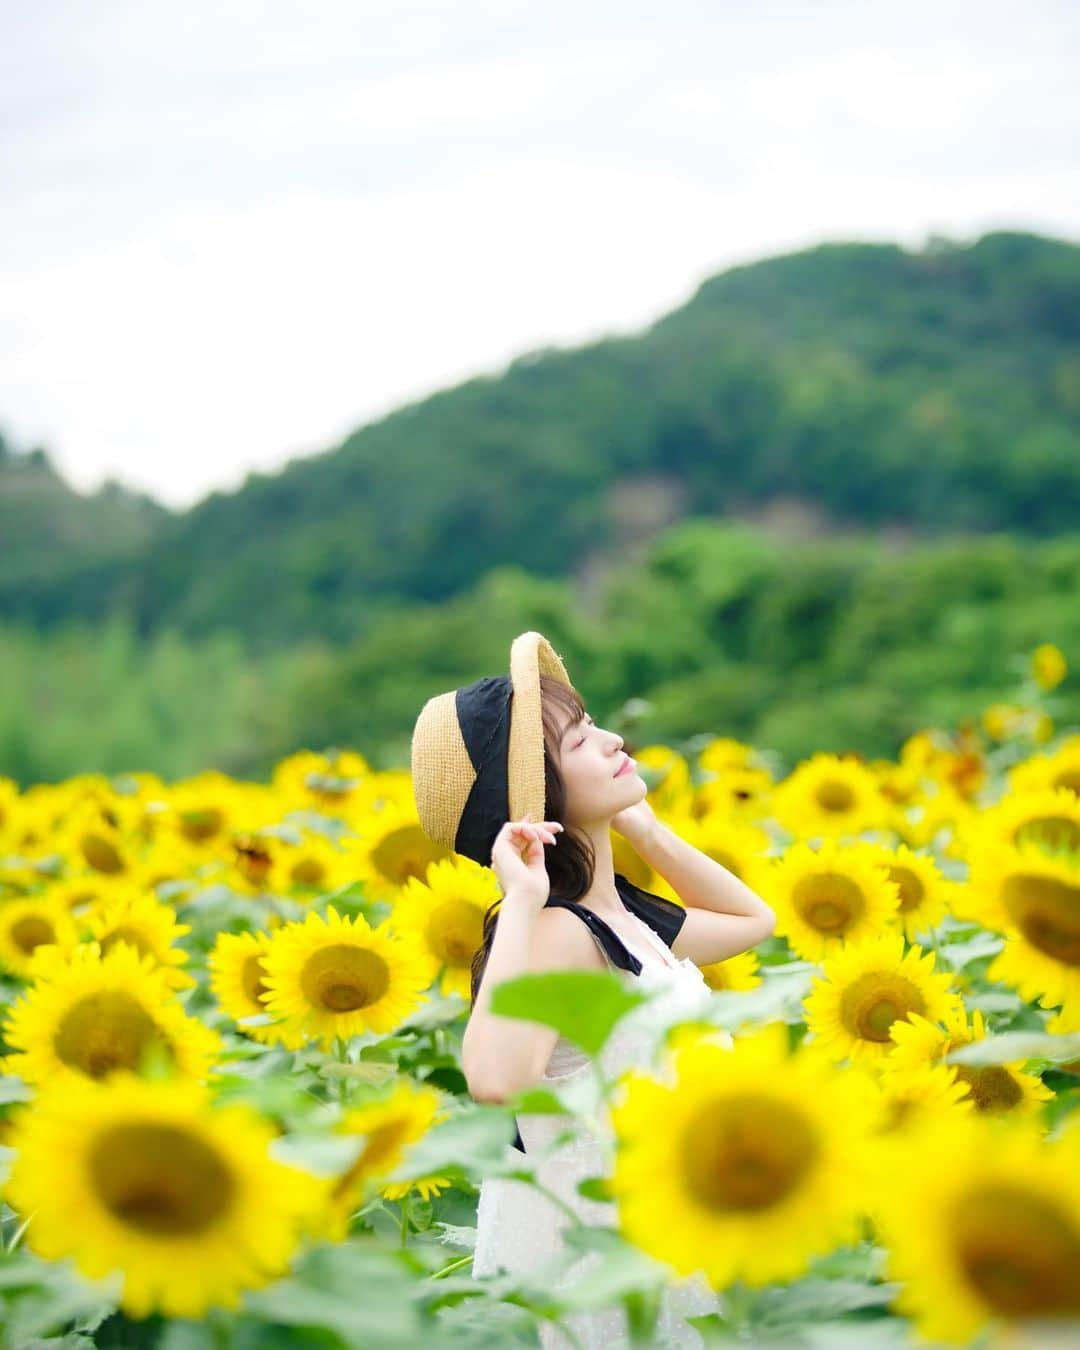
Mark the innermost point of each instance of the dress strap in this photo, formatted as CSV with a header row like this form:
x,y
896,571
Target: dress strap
x,y
613,947
665,917
615,950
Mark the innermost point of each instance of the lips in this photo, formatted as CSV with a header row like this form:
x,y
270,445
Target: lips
x,y
624,767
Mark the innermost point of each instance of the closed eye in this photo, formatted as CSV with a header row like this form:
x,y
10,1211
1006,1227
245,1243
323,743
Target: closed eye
x,y
589,722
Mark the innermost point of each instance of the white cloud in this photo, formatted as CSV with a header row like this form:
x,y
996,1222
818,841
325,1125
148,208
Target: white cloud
x,y
235,233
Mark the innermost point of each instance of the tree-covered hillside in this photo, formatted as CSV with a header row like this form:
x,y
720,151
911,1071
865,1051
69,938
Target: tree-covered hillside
x,y
928,392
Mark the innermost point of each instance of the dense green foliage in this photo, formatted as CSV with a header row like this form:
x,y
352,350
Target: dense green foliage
x,y
819,645
916,392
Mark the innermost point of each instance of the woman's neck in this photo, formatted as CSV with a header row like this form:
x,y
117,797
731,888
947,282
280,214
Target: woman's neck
x,y
602,897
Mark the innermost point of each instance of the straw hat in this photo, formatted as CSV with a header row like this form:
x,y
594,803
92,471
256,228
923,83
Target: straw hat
x,y
478,752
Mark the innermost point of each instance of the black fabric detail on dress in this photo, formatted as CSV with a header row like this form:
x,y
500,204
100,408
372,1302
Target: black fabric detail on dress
x,y
617,951
666,917
483,713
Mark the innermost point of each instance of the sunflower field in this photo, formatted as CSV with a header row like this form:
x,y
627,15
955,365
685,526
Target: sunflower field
x,y
233,1113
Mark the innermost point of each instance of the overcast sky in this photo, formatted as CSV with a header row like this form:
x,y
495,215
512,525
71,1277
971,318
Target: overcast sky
x,y
234,231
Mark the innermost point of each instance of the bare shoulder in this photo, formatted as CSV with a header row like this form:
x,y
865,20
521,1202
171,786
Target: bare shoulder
x,y
562,941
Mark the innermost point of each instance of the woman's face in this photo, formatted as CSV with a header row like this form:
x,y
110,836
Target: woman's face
x,y
590,759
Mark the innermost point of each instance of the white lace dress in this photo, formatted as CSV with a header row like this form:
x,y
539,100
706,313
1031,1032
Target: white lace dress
x,y
518,1228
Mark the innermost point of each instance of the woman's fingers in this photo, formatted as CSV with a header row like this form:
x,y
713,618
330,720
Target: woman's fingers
x,y
536,831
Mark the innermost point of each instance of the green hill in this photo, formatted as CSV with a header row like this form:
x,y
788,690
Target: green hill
x,y
915,394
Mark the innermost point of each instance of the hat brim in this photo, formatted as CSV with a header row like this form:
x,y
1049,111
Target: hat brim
x,y
531,655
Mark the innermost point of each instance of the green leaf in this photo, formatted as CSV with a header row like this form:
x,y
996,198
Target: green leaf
x,y
959,954
582,1005
466,1143
814,1300
1015,1046
777,999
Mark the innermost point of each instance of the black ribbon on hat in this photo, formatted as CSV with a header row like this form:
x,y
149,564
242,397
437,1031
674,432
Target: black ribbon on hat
x,y
483,713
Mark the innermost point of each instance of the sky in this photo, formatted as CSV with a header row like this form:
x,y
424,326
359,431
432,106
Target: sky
x,y
233,232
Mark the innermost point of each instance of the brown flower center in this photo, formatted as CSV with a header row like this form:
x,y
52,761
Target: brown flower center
x,y
1054,832
1019,1251
1047,912
990,1086
201,823
124,934
308,872
159,1179
341,978
834,796
873,1002
31,931
747,1152
829,902
454,932
912,891
251,978
403,853
100,853
106,1030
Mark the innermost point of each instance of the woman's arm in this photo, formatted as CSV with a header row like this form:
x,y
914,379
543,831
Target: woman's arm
x,y
723,915
503,1055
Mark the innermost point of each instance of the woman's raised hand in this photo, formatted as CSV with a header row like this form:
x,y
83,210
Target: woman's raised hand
x,y
517,858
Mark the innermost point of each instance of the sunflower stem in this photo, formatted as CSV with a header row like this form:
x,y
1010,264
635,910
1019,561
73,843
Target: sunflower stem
x,y
17,1235
341,1050
456,1264
404,1223
737,1305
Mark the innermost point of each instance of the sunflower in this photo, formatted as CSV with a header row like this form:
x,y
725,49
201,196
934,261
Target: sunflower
x,y
93,1013
391,848
388,1127
866,987
1033,897
1061,769
745,1163
983,1226
9,807
1048,817
629,863
236,981
201,809
340,977
830,796
93,834
924,892
736,845
327,783
250,860
184,1198
667,775
78,894
313,865
446,913
827,895
29,923
735,973
426,1186
735,784
1048,665
909,1093
141,919
990,1087
939,817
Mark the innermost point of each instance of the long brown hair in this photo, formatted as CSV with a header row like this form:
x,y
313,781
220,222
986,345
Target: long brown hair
x,y
570,863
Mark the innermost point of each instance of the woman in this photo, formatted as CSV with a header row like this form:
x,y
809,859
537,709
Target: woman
x,y
515,773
